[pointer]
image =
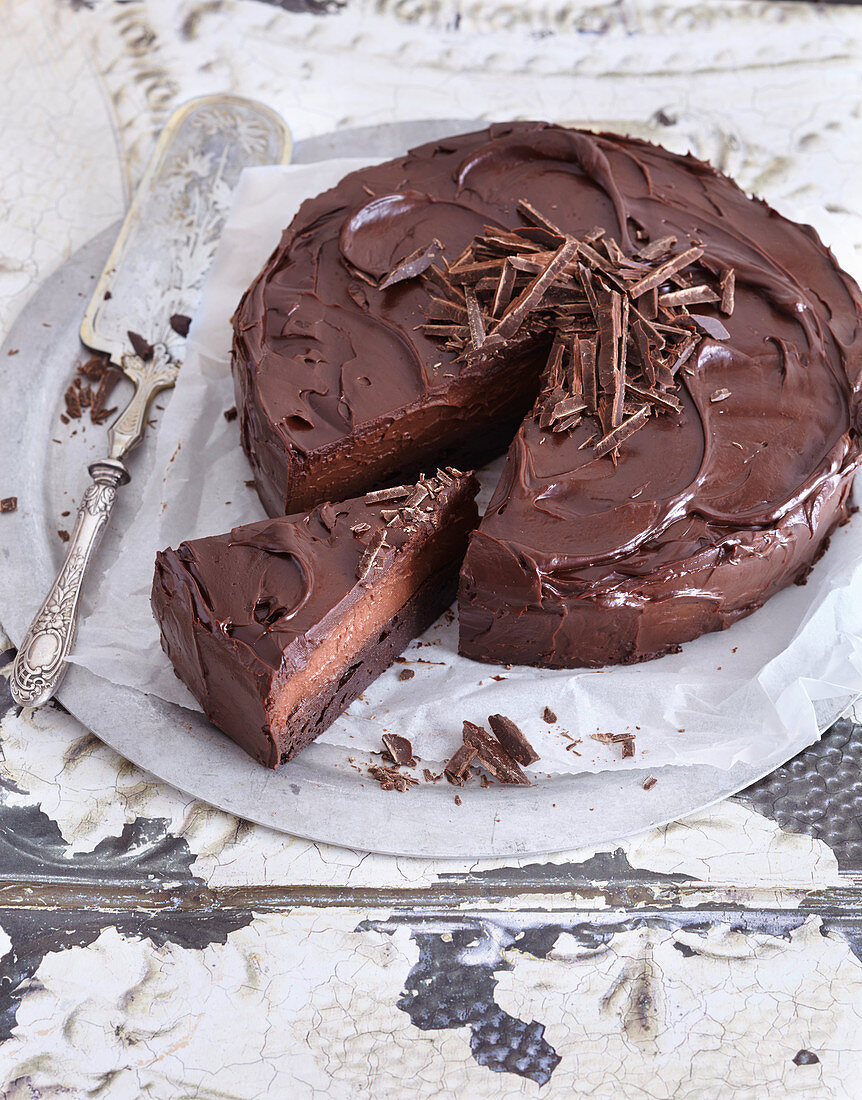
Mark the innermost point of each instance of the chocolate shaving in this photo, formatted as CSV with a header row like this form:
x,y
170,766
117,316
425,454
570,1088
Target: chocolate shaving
x,y
142,348
727,284
549,716
109,379
627,428
396,492
400,750
712,326
719,395
457,770
9,504
493,757
505,286
657,248
474,318
661,273
688,296
514,316
371,558
512,739
627,740
180,324
327,516
533,215
414,264
649,782
617,325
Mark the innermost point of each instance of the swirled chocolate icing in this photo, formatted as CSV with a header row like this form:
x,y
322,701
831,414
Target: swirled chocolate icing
x,y
277,626
580,560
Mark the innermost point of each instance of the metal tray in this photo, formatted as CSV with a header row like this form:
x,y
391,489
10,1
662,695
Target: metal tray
x,y
318,795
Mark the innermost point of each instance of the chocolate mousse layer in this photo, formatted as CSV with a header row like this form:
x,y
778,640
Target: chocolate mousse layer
x,y
277,626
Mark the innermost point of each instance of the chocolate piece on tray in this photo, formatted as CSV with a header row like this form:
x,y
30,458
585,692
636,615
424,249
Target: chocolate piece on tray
x,y
457,770
512,739
493,757
399,749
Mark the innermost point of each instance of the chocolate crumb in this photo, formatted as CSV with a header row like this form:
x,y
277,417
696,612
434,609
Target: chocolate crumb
x,y
457,800
549,716
64,535
627,740
13,351
484,781
180,324
406,674
650,782
251,484
9,504
430,777
512,739
230,414
390,779
400,750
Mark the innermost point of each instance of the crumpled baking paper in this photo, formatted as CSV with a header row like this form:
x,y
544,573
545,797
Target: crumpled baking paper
x,y
747,694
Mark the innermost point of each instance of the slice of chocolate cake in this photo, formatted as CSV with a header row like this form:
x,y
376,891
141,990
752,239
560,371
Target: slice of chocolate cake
x,y
277,626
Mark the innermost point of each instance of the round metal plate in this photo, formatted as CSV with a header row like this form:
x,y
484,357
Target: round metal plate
x,y
318,795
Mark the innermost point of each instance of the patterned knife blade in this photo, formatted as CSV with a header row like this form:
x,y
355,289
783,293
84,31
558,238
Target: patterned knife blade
x,y
154,274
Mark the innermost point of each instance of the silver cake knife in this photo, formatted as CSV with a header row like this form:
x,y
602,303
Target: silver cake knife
x,y
154,273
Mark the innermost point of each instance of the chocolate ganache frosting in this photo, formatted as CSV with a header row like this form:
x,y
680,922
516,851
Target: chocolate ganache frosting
x,y
277,626
582,558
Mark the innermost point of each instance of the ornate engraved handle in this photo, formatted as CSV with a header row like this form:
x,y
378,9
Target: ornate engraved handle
x,y
41,660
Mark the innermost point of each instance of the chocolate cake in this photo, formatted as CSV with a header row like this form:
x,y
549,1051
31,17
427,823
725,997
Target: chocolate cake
x,y
683,363
277,626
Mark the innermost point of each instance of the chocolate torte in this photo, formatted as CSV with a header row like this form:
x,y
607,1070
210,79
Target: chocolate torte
x,y
277,626
694,427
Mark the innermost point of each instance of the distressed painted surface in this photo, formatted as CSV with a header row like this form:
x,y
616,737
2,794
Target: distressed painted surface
x,y
342,1005
714,957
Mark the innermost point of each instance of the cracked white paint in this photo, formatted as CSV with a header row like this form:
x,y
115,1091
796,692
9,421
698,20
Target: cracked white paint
x,y
638,1017
309,1005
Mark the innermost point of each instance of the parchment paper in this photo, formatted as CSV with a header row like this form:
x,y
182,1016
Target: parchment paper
x,y
746,694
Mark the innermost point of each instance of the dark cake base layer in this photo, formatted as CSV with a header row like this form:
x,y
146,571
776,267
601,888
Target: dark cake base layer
x,y
317,713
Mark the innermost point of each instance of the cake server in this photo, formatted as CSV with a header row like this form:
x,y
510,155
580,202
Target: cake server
x,y
154,273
